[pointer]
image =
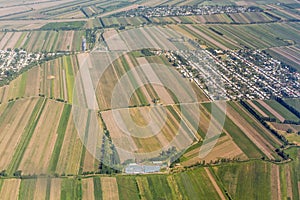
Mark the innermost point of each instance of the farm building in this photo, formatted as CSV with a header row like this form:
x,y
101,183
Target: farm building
x,y
83,44
134,168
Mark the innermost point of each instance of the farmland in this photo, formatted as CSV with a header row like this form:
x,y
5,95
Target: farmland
x,y
72,125
117,21
288,55
235,18
279,116
60,142
269,181
282,111
237,36
237,182
137,76
295,103
53,79
48,41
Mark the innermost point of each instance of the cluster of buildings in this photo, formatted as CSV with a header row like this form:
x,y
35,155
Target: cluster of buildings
x,y
243,74
201,69
14,60
163,11
134,168
262,74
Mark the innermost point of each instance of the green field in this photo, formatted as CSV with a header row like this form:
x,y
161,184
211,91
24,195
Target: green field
x,y
27,189
128,188
194,184
64,25
237,180
295,103
246,145
70,189
282,110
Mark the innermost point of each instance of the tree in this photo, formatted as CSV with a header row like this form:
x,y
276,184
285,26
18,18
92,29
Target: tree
x,y
18,173
289,130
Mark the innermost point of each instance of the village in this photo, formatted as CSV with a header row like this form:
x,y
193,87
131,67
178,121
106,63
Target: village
x,y
13,60
163,11
231,75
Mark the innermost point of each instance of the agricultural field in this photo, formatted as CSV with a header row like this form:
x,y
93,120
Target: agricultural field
x,y
295,103
150,142
137,76
269,180
289,55
143,109
251,17
53,79
283,14
153,37
231,180
256,36
226,146
289,131
92,23
108,22
258,134
279,118
57,78
235,18
64,25
218,18
46,130
26,85
37,41
280,111
237,183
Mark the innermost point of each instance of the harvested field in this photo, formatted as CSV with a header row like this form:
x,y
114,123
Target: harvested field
x,y
88,189
5,40
138,134
109,188
114,41
32,82
13,121
180,89
43,140
70,154
224,149
12,41
10,189
40,189
146,79
288,182
55,190
152,76
141,38
37,41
